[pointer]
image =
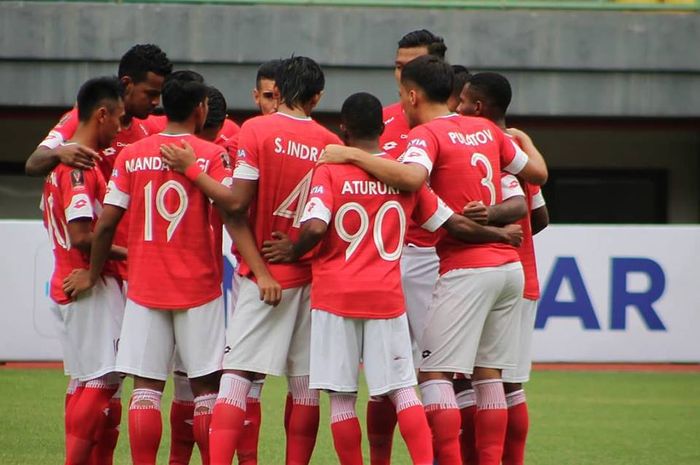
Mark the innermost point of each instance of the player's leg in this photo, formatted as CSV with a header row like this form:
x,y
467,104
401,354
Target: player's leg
x,y
449,344
498,347
466,401
181,418
257,340
305,411
199,336
108,432
336,350
145,351
248,445
389,370
93,326
518,417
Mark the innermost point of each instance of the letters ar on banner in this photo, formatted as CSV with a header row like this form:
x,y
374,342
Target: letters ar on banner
x,y
609,294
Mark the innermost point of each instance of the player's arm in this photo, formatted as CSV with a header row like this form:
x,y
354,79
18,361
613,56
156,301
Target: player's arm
x,y
282,250
535,170
80,234
512,208
539,219
44,159
100,249
406,177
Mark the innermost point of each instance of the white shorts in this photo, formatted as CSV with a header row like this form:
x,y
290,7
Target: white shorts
x,y
339,345
521,373
271,340
149,337
89,329
419,273
473,321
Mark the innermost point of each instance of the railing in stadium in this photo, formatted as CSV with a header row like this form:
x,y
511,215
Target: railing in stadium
x,y
674,5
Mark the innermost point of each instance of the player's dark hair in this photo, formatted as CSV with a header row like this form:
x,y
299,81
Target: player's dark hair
x,y
96,92
186,75
299,79
424,38
462,76
492,88
362,116
432,74
141,59
180,98
217,109
267,70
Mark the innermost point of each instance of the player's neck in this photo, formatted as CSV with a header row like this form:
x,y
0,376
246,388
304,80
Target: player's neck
x,y
430,111
369,146
183,127
295,112
86,135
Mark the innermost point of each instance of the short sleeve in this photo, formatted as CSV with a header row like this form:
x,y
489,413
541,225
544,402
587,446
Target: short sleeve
x,y
320,204
422,148
247,155
63,131
78,193
430,211
513,159
536,197
118,188
510,187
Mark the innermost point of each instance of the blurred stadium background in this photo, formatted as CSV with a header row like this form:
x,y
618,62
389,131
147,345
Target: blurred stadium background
x,y
608,89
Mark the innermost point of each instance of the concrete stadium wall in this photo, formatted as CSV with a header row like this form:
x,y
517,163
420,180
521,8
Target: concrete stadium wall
x,y
562,63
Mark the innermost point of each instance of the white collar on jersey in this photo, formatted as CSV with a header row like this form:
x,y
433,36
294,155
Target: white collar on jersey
x,y
298,118
174,135
448,116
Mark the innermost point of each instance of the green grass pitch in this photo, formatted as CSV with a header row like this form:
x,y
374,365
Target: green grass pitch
x,y
577,418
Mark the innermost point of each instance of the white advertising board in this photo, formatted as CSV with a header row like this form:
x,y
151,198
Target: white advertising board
x,y
609,294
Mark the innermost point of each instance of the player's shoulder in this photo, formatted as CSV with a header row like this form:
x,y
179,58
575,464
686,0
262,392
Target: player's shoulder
x,y
204,148
256,122
69,117
153,124
391,111
229,129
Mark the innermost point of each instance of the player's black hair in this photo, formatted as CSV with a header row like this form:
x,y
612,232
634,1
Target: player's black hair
x,y
186,75
299,79
217,109
95,92
180,98
142,58
267,70
462,76
362,116
492,88
424,38
432,74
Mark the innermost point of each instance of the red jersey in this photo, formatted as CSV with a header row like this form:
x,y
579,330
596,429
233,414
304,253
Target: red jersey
x,y
356,271
393,141
463,156
70,194
228,131
170,237
138,129
280,151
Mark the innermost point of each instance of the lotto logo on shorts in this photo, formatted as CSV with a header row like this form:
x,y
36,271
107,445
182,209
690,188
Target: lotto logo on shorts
x,y
426,353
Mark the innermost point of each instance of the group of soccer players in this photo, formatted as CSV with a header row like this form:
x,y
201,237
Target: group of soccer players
x,y
397,249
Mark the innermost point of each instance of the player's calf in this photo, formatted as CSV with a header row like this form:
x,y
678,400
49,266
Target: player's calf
x,y
443,416
413,425
345,427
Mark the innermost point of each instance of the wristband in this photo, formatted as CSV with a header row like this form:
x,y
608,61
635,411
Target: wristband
x,y
192,172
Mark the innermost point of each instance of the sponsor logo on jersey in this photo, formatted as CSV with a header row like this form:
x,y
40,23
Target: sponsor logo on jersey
x,y
418,143
390,145
317,190
109,151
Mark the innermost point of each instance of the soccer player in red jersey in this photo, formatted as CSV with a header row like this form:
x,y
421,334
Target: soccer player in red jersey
x,y
142,70
356,296
419,263
489,95
269,330
479,285
89,326
174,294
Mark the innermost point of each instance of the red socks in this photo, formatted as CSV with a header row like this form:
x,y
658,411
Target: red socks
x,y
227,420
466,401
145,426
413,425
347,436
490,420
203,409
444,420
248,444
86,416
381,422
108,434
516,432
181,434
303,421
